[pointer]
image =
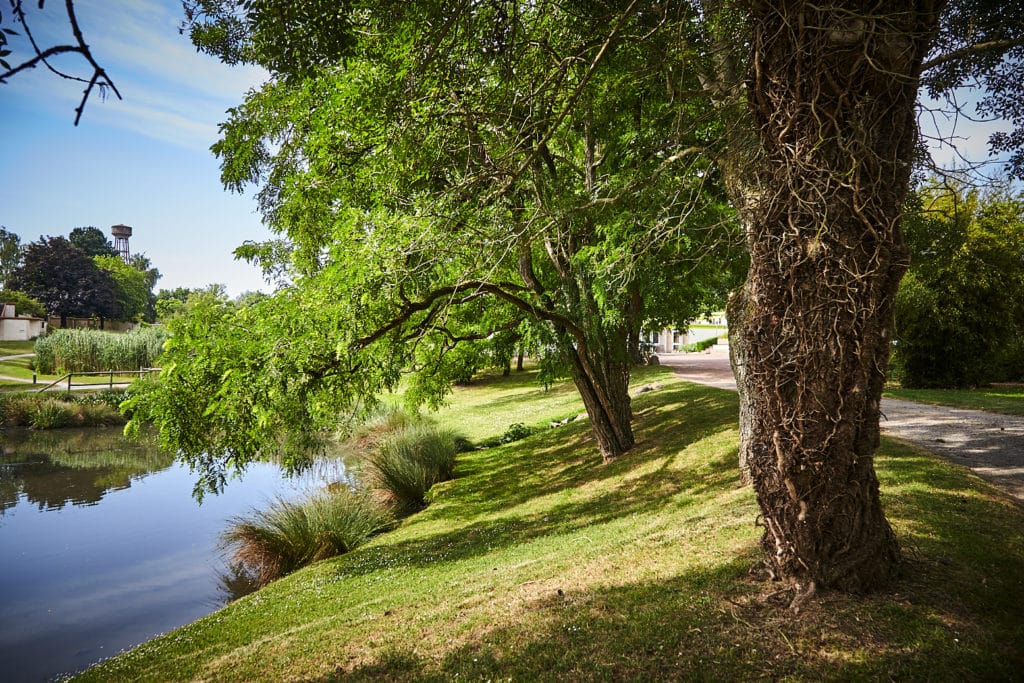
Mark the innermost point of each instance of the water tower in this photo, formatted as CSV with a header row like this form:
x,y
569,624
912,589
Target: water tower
x,y
121,234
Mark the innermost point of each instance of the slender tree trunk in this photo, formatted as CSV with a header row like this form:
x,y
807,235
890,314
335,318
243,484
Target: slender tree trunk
x,y
603,384
519,360
832,93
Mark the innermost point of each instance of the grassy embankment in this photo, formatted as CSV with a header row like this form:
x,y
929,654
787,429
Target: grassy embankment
x,y
1006,398
20,368
539,563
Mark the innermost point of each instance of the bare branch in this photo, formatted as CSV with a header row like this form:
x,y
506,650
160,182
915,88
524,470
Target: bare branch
x,y
99,75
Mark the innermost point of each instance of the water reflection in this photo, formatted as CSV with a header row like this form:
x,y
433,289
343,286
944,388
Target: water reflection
x,y
102,545
71,466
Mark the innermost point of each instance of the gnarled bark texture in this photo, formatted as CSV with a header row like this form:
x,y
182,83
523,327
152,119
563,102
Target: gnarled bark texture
x,y
832,89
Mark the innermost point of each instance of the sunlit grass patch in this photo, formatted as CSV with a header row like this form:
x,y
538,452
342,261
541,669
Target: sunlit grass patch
x,y
537,562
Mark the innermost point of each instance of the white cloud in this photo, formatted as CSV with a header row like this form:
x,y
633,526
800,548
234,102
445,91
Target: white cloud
x,y
171,93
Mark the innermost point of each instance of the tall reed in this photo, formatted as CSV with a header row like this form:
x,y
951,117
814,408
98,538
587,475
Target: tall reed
x,y
71,350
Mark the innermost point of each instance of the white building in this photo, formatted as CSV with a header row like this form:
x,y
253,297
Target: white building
x,y
14,327
671,340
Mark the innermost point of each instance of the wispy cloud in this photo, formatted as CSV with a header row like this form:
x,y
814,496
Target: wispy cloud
x,y
171,92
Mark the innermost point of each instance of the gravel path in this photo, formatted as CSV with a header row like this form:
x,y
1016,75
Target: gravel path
x,y
990,444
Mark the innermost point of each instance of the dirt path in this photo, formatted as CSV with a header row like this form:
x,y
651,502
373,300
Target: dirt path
x,y
990,444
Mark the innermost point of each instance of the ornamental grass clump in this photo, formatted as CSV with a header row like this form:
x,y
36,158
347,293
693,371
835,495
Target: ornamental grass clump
x,y
291,534
408,462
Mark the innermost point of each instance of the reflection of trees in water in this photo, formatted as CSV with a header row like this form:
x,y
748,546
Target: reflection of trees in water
x,y
234,582
77,466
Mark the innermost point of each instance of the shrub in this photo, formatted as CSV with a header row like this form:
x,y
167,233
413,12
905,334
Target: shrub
x,y
16,410
381,421
71,350
515,432
701,345
288,535
51,414
408,462
65,410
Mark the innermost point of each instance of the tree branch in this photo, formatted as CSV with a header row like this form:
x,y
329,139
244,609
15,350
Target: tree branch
x,y
99,75
507,292
971,51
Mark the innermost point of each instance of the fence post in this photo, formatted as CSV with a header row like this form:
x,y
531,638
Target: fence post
x,y
69,381
111,379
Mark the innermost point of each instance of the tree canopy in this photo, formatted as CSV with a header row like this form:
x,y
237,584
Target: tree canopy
x,y
65,280
960,309
91,241
132,287
440,172
10,253
429,206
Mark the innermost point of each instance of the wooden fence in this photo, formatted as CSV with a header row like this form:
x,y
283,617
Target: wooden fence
x,y
67,381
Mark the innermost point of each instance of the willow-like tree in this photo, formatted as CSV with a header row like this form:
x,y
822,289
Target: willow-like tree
x,y
443,178
817,103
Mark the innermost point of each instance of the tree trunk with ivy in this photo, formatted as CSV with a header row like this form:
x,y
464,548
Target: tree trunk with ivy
x,y
832,91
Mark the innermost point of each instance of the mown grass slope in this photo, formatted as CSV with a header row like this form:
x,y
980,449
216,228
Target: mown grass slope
x,y
539,563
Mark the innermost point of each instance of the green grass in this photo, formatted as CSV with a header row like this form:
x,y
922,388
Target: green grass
x,y
1006,399
538,563
13,348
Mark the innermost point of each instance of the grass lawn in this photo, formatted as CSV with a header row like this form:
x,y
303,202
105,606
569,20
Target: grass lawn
x,y
12,348
1007,399
16,367
539,563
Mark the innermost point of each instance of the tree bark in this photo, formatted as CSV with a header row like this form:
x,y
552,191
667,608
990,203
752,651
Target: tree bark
x,y
832,91
603,384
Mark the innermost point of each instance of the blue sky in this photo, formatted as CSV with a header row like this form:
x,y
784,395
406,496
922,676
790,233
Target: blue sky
x,y
145,161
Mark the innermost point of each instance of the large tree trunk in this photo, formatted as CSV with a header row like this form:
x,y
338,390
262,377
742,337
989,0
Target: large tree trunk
x,y
832,90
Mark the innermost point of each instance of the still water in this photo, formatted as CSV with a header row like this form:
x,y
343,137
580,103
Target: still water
x,y
103,547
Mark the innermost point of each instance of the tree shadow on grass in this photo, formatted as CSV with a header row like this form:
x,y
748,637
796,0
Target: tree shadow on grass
x,y
655,475
646,494
714,624
666,422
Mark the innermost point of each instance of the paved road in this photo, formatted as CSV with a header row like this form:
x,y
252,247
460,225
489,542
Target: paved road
x,y
991,445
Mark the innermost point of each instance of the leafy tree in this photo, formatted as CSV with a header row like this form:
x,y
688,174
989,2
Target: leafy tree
x,y
10,253
960,309
23,303
141,263
92,242
815,104
132,287
65,280
431,213
173,303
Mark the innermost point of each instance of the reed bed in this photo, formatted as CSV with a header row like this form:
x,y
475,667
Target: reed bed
x,y
96,351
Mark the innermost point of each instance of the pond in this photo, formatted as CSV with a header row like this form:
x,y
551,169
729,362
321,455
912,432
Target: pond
x,y
102,546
